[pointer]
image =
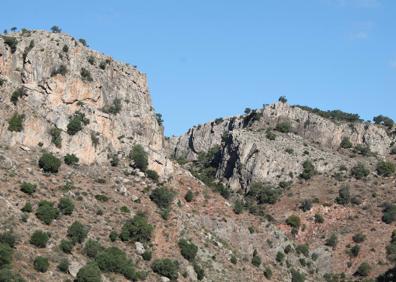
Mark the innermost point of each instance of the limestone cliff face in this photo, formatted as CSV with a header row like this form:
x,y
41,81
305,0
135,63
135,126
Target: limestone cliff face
x,y
51,97
249,156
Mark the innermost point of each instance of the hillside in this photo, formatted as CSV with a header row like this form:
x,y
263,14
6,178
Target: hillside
x,y
91,190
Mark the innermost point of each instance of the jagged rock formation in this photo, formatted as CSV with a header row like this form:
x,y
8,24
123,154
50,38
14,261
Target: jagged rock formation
x,y
248,155
59,76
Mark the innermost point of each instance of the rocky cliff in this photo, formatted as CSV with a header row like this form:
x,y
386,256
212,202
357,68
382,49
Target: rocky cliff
x,y
253,149
49,78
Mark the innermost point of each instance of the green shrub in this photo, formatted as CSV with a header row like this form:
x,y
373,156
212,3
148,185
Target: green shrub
x,y
233,259
270,135
56,137
92,248
8,238
91,60
137,229
385,168
49,163
66,206
46,212
89,273
306,205
354,251
238,206
302,249
360,171
280,256
268,273
5,255
15,123
359,238
28,188
63,265
86,75
65,48
77,232
114,108
139,157
264,193
147,255
166,267
383,120
297,276
363,150
162,197
389,213
344,196
363,269
101,198
71,159
76,123
188,250
124,209
308,170
66,246
16,95
41,264
283,127
12,42
39,239
189,196
83,42
102,65
114,260
153,175
293,221
27,208
256,259
56,29
346,143
199,271
319,218
113,236
391,248
7,275
332,241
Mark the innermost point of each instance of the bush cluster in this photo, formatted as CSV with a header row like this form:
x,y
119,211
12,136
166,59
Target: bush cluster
x,y
77,232
28,188
16,95
283,127
139,156
385,168
187,249
114,108
308,170
39,239
49,163
76,123
137,229
264,193
15,123
41,264
46,212
86,75
166,267
360,171
114,260
162,197
92,248
66,206
71,159
344,196
56,137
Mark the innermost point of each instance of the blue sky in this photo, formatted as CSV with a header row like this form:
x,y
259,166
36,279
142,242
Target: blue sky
x,y
211,58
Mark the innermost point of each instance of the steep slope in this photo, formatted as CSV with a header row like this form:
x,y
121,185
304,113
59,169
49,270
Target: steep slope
x,y
49,77
254,148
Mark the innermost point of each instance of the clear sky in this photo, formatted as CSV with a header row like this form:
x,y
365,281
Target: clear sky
x,y
212,58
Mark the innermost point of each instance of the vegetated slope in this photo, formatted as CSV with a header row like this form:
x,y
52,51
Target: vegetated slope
x,y
89,194
324,178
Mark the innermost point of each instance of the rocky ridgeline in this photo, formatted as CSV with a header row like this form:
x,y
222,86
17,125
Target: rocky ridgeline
x,y
249,153
47,79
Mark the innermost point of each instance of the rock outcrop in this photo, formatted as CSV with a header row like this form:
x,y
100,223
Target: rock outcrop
x,y
57,77
249,155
